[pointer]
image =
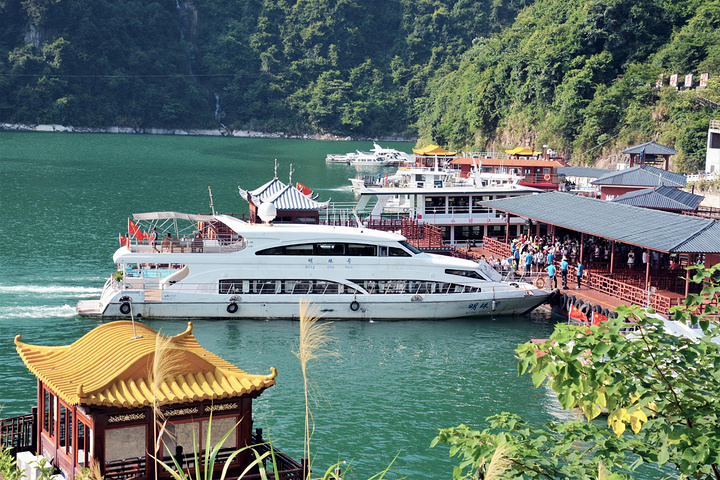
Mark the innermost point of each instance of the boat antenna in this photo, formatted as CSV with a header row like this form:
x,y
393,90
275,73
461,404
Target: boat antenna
x,y
212,207
291,172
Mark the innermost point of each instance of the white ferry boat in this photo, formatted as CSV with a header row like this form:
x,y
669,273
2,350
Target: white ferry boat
x,y
233,269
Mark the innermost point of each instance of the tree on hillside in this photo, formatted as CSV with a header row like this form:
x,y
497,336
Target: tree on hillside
x,y
661,393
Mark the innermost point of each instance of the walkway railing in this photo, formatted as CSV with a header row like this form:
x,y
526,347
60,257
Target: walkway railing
x,y
601,283
19,432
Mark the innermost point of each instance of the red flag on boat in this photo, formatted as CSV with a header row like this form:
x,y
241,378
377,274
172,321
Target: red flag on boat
x,y
123,240
305,190
598,318
135,231
576,314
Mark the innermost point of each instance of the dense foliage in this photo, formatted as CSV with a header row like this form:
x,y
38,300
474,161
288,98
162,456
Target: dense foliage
x,y
661,393
575,74
579,75
340,66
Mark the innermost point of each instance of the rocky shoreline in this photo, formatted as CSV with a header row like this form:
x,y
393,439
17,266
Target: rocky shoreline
x,y
190,132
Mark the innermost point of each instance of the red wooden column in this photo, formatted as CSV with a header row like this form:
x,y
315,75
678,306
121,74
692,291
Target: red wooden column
x,y
582,245
612,255
647,269
507,227
691,260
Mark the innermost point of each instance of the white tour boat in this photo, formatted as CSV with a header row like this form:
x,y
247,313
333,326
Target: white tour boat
x,y
233,269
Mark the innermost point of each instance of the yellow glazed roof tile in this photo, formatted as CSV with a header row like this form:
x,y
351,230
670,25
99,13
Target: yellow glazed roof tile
x,y
111,366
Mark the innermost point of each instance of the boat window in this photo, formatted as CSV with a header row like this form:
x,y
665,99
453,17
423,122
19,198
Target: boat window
x,y
279,287
329,249
398,252
360,250
272,251
305,249
410,247
464,273
434,204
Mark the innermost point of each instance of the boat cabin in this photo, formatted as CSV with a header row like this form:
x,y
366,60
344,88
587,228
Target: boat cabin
x,y
537,172
102,401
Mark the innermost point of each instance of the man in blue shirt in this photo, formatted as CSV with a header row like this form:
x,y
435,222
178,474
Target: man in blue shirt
x,y
528,262
564,271
580,269
551,275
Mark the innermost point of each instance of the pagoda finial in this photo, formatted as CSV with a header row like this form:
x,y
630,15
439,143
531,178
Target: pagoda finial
x,y
291,172
272,375
276,168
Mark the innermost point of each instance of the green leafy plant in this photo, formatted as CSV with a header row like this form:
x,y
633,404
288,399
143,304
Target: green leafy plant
x,y
8,465
118,275
661,393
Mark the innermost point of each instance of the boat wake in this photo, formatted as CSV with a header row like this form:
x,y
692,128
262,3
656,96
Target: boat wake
x,y
39,311
50,290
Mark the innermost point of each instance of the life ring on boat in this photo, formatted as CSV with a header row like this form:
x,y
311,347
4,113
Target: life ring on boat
x,y
547,177
582,195
354,306
540,282
232,307
125,308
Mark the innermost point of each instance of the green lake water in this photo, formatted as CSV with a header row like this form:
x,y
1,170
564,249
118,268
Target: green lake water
x,y
65,198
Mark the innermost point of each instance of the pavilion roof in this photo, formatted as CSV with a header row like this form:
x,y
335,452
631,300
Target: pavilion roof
x,y
433,150
643,176
661,197
653,229
284,197
112,366
651,148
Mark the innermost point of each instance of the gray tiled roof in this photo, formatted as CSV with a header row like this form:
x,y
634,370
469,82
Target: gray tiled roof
x,y
661,197
643,176
588,172
653,229
290,198
284,197
651,148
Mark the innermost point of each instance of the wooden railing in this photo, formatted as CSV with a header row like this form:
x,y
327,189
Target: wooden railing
x,y
419,234
286,467
19,432
497,247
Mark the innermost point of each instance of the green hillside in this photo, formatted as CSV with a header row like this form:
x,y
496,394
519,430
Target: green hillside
x,y
579,75
574,74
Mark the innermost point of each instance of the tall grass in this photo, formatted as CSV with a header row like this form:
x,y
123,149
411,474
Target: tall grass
x,y
313,342
166,363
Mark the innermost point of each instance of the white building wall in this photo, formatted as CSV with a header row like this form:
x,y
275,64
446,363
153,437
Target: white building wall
x,y
712,157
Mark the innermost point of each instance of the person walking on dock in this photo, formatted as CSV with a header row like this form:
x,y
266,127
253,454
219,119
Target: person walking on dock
x,y
552,279
580,269
564,271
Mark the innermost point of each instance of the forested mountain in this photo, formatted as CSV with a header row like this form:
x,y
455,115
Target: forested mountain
x,y
574,74
579,75
349,67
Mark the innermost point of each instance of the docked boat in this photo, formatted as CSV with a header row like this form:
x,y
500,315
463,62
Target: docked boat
x,y
233,269
377,156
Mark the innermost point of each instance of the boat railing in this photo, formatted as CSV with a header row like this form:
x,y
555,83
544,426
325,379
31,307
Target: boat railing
x,y
219,244
19,433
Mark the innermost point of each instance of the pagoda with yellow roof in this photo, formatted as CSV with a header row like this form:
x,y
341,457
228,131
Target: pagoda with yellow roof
x,y
98,400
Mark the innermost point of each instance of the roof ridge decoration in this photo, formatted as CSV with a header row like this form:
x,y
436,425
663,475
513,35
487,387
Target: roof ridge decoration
x,y
107,367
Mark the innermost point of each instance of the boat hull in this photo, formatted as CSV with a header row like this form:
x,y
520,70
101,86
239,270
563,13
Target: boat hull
x,y
340,307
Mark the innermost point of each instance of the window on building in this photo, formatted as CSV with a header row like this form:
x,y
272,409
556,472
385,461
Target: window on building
x,y
83,447
65,431
714,140
49,414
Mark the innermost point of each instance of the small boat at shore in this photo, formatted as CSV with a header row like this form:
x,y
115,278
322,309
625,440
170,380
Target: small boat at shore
x,y
234,269
377,156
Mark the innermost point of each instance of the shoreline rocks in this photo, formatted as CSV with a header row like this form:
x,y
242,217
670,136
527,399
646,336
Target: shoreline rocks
x,y
54,128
